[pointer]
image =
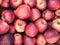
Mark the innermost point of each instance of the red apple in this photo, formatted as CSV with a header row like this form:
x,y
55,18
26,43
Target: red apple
x,y
7,39
29,40
51,36
11,29
31,3
5,3
23,10
8,16
47,14
35,14
57,12
31,30
41,24
56,24
16,3
19,25
17,39
4,27
41,4
53,4
41,40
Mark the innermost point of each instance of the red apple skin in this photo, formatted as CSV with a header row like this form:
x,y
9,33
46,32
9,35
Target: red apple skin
x,y
41,40
8,16
6,39
11,29
20,25
51,36
41,24
35,14
29,40
48,15
16,3
23,10
41,4
56,24
31,30
53,4
31,3
4,27
57,12
5,3
17,39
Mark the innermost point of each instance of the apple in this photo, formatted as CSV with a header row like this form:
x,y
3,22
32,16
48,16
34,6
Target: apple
x,y
31,3
5,3
41,40
41,24
17,39
29,40
23,10
19,25
8,16
47,14
53,4
31,30
11,29
35,14
7,39
4,27
16,3
57,12
56,24
51,36
41,4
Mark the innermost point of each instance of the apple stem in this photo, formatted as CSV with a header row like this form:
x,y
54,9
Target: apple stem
x,y
58,22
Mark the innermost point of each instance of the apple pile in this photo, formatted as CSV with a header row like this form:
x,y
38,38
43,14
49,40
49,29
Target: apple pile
x,y
29,22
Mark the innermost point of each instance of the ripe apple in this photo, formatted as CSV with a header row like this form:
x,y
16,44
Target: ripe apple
x,y
31,30
47,14
51,36
35,14
8,16
5,3
57,12
16,3
41,40
41,4
53,4
7,39
41,24
31,3
17,39
20,25
23,12
56,24
29,40
4,27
